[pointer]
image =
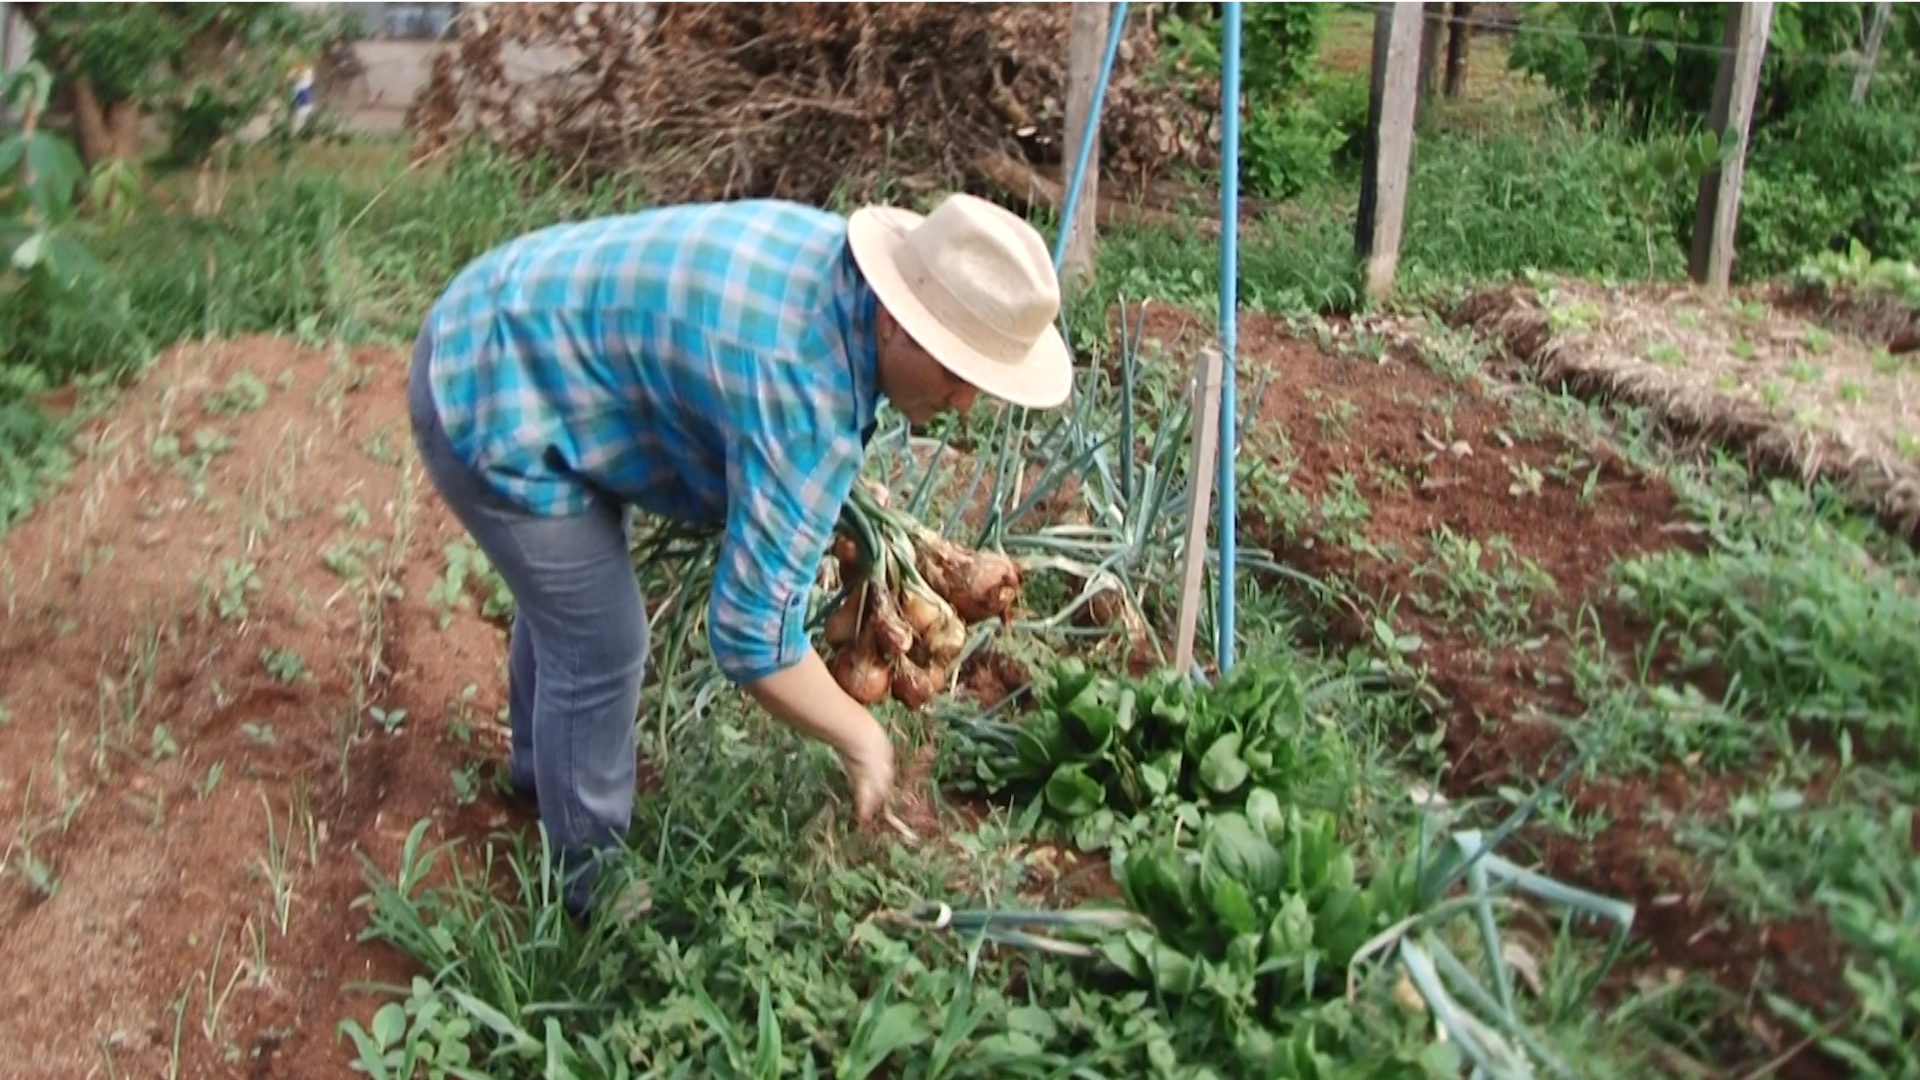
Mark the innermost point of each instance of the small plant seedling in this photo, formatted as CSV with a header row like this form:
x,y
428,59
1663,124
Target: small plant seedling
x,y
1801,371
1666,354
389,720
283,664
244,393
1527,480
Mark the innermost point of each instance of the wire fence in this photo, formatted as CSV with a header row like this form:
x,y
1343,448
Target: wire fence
x,y
1850,59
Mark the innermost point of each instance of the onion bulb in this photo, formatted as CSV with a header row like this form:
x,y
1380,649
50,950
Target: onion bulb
x,y
845,552
993,584
922,611
843,622
946,637
942,563
861,673
913,685
891,633
979,584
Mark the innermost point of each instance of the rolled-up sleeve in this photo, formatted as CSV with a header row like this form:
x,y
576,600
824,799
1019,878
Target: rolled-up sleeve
x,y
784,494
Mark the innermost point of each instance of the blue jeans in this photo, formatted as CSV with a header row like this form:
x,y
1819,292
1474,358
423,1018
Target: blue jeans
x,y
578,648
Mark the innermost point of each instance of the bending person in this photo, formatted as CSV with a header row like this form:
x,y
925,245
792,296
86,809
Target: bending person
x,y
715,363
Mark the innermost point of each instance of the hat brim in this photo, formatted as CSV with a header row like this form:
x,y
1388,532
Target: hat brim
x,y
1042,379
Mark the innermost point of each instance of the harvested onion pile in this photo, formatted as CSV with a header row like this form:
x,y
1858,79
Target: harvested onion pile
x,y
910,596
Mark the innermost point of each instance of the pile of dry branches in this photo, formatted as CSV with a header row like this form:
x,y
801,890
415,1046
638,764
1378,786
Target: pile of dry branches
x,y
801,101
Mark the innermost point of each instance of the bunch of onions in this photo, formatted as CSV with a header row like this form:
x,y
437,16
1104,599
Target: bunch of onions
x,y
910,595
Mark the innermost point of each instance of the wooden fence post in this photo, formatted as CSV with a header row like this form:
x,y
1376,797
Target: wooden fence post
x,y
1086,47
1717,212
1433,38
1389,143
1870,52
1459,43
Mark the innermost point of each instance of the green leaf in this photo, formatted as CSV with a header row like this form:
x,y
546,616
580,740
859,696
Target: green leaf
x,y
371,1057
1160,882
68,262
1125,954
1291,932
1343,924
1156,779
1174,972
389,1024
1221,768
1095,831
12,150
1440,1058
1070,678
1231,902
1070,792
1170,709
1257,1050
1264,814
1091,716
878,1038
1030,1020
1040,742
30,252
54,162
1203,726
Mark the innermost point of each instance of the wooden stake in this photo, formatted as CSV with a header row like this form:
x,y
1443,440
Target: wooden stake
x,y
1206,453
1389,144
1717,211
1459,43
1433,37
1870,53
1086,48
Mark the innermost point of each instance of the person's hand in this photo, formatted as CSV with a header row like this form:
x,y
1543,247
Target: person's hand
x,y
806,697
868,760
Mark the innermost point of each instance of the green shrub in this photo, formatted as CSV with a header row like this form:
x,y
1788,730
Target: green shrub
x,y
1656,63
1829,173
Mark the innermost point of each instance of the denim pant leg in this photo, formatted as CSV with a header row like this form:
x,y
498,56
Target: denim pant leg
x,y
584,655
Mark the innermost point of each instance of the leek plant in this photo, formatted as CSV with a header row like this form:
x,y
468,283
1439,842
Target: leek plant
x,y
1115,462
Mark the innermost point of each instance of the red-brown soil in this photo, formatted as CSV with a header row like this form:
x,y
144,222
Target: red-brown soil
x,y
1427,451
115,627
125,570
118,580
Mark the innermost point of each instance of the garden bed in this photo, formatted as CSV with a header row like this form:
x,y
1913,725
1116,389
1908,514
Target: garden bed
x,y
1813,403
246,604
1486,525
224,681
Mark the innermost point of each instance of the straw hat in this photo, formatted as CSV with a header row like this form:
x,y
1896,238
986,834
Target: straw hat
x,y
973,284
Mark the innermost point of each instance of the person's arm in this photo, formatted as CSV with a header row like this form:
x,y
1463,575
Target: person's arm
x,y
784,495
805,697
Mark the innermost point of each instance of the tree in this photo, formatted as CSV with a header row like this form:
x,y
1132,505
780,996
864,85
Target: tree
x,y
203,70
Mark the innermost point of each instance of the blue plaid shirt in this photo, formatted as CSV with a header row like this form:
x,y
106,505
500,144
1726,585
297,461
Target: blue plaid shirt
x,y
708,363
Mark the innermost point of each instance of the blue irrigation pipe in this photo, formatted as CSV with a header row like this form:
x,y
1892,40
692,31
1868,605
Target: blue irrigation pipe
x,y
1070,202
1229,319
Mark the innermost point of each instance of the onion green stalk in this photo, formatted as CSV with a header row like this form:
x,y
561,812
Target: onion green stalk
x,y
1042,931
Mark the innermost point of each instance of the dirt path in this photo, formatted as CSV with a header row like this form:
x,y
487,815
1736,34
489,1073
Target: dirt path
x,y
202,628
